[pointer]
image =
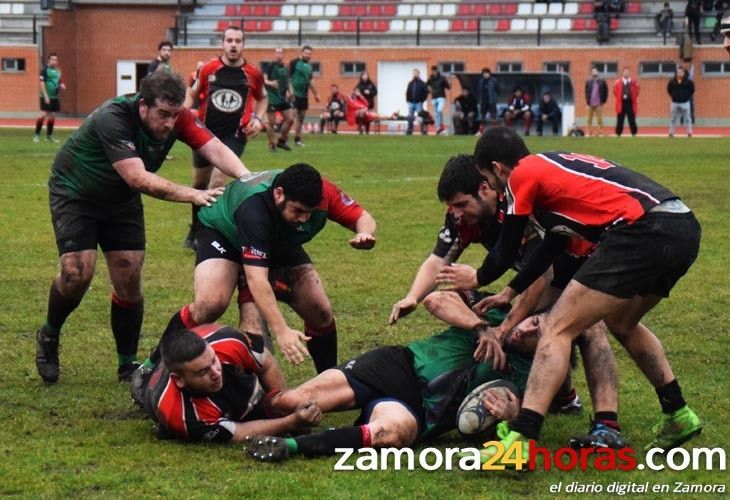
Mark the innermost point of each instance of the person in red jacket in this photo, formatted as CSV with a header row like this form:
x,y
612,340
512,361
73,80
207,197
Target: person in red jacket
x,y
626,92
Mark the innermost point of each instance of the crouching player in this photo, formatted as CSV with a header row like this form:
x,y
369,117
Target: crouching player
x,y
211,385
407,394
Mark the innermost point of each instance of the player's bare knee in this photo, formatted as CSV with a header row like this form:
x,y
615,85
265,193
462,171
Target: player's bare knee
x,y
75,277
208,310
389,434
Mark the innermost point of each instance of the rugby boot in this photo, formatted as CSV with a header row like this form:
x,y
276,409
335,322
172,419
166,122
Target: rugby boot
x,y
266,448
125,371
600,436
674,429
46,355
571,407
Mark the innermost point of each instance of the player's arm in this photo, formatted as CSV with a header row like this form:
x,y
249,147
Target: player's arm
x,y
44,92
423,284
505,252
314,91
290,341
134,174
190,93
223,158
364,230
271,376
306,415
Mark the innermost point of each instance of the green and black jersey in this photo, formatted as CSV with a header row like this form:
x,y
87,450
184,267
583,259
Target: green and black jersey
x,y
83,167
301,76
51,77
277,72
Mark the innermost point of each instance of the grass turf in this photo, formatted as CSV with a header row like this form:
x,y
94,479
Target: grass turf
x,y
82,437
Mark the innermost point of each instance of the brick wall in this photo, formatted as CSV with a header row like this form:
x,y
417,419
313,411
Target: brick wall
x,y
20,90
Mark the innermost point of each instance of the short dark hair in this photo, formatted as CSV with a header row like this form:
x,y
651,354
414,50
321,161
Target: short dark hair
x,y
52,54
301,183
164,43
306,47
434,68
500,144
460,175
167,87
180,347
487,70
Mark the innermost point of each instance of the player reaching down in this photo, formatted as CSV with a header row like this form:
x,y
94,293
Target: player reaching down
x,y
261,222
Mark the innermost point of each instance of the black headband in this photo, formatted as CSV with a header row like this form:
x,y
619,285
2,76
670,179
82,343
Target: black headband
x,y
724,27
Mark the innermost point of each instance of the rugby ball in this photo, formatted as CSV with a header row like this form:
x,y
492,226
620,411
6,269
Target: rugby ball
x,y
472,418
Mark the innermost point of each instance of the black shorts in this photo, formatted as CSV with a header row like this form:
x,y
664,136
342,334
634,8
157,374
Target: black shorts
x,y
82,225
564,268
647,257
284,106
53,107
301,103
213,245
384,374
235,142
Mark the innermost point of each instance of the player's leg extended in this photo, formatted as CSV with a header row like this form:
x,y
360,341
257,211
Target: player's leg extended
x,y
127,305
679,423
330,389
67,290
310,302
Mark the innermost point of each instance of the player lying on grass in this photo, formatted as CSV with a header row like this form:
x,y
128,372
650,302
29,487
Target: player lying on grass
x,y
475,214
211,385
407,394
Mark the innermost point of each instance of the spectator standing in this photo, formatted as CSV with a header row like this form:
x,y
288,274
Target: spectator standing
x,y
692,15
465,112
162,61
368,90
437,86
416,94
626,92
487,95
548,111
596,97
680,89
664,20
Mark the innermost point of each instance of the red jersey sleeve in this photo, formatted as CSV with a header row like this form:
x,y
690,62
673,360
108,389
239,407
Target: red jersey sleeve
x,y
340,208
191,131
522,189
257,83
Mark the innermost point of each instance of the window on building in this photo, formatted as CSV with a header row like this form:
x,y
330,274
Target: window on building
x,y
657,68
13,64
605,68
316,68
716,68
351,68
448,67
509,67
556,67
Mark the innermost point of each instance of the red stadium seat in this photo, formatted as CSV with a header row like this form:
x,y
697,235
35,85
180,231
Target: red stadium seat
x,y
471,25
375,10
389,10
230,11
479,10
221,25
591,25
585,8
259,10
503,25
633,8
273,10
361,10
249,26
579,24
264,25
337,26
495,9
366,25
245,10
464,9
509,9
350,26
457,25
346,10
614,24
381,26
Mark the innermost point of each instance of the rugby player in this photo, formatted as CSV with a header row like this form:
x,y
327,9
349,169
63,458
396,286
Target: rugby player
x,y
211,385
407,394
232,102
646,240
95,185
475,213
261,223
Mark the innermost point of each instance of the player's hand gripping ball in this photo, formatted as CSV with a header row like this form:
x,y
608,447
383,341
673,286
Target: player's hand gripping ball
x,y
472,417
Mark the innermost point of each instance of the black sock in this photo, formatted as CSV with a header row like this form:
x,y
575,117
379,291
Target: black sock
x,y
49,126
59,308
527,423
670,397
607,418
38,126
297,138
126,327
322,124
324,443
323,349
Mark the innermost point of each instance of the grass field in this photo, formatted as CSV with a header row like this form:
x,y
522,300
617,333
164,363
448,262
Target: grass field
x,y
83,438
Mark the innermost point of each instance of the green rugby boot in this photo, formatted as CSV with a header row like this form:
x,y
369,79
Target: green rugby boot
x,y
675,429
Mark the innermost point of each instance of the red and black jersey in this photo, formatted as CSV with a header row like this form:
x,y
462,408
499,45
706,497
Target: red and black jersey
x,y
211,417
227,95
580,195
